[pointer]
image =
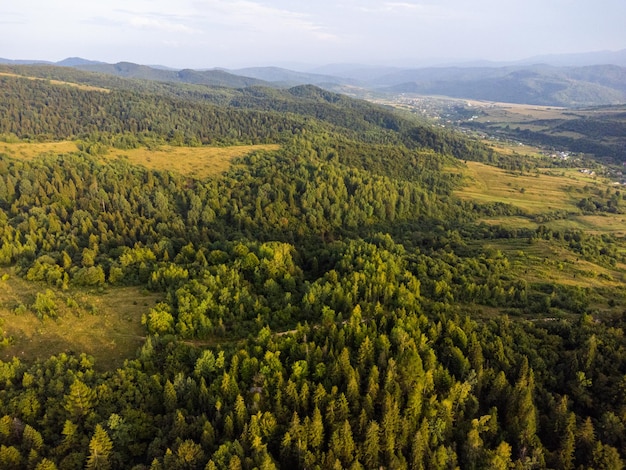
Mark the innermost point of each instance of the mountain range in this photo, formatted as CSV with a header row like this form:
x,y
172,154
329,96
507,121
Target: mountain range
x,y
560,80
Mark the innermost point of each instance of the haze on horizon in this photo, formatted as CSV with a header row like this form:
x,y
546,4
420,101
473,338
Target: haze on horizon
x,y
238,33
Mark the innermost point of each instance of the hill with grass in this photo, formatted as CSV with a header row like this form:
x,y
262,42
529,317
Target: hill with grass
x,y
200,277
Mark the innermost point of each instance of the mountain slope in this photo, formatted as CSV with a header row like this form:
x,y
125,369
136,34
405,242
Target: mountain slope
x,y
208,77
287,77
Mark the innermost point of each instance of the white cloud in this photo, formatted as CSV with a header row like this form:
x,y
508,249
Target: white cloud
x,y
402,6
258,17
10,17
147,22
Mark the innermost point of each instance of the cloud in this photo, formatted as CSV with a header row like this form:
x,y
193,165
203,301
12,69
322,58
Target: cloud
x,y
402,6
9,17
411,10
258,17
159,24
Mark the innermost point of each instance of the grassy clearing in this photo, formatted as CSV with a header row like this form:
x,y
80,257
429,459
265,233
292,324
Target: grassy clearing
x,y
540,193
60,82
198,162
512,149
614,224
596,224
534,193
544,261
105,325
80,86
28,151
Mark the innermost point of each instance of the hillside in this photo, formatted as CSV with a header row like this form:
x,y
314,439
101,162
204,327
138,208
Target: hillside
x,y
285,77
207,77
352,288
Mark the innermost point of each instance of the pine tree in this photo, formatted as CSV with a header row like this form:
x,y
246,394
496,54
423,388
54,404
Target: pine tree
x,y
170,399
100,448
315,432
371,446
31,438
80,400
46,464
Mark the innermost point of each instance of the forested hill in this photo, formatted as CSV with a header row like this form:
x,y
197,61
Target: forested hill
x,y
329,301
206,77
200,114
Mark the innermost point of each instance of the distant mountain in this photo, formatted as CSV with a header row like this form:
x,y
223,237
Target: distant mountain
x,y
285,77
23,62
69,62
206,77
77,62
540,85
580,60
359,72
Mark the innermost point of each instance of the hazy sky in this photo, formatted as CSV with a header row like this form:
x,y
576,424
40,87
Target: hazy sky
x,y
234,33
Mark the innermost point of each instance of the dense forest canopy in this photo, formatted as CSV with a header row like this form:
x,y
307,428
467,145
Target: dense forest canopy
x,y
331,304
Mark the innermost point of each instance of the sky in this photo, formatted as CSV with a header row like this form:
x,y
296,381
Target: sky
x,y
306,33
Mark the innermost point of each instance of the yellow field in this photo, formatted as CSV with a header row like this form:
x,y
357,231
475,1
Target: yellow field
x,y
539,193
534,193
614,224
544,261
513,149
198,162
59,82
105,325
28,151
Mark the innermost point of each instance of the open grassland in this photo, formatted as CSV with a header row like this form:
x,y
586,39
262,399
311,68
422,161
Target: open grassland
x,y
537,193
550,198
534,193
104,325
544,261
595,224
197,162
614,224
28,151
511,149
59,82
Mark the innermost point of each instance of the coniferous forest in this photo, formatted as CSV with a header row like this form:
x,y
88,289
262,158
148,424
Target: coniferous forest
x,y
331,304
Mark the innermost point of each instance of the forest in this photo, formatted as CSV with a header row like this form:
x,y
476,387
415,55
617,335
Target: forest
x,y
331,304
